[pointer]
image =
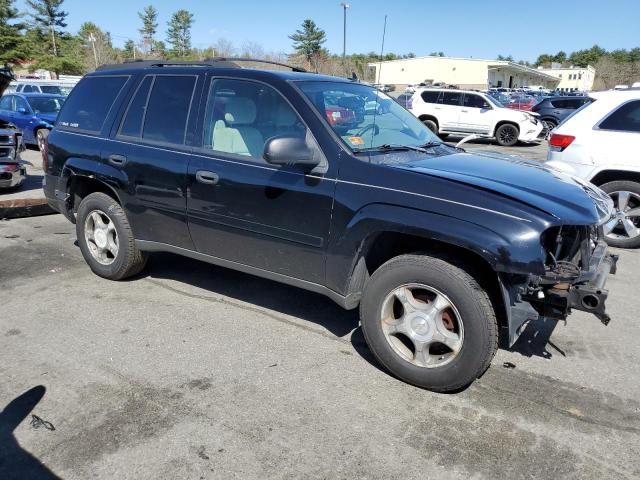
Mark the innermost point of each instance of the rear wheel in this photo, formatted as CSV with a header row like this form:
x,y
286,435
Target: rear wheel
x,y
507,135
41,137
551,124
105,238
431,125
623,230
429,322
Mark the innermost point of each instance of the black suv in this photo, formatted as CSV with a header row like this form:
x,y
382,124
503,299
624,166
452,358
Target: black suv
x,y
300,178
554,110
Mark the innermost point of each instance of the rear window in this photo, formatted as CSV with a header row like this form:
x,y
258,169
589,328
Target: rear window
x,y
430,96
625,119
167,110
88,105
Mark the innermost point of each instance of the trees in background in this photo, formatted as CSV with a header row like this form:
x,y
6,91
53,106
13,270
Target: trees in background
x,y
149,17
307,43
179,34
12,46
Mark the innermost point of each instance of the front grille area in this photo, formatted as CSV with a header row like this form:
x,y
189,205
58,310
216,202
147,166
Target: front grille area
x,y
5,176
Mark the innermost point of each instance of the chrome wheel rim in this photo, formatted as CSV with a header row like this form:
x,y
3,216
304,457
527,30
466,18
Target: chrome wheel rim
x,y
625,224
422,325
101,237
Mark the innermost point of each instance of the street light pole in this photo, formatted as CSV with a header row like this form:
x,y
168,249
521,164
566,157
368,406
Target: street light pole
x,y
344,6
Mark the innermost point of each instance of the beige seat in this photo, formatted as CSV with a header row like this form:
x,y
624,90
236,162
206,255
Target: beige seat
x,y
234,134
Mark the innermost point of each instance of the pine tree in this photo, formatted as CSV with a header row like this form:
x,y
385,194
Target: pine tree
x,y
48,16
12,45
179,33
149,17
129,51
308,41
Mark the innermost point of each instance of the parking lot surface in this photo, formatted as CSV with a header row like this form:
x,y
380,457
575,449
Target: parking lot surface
x,y
195,371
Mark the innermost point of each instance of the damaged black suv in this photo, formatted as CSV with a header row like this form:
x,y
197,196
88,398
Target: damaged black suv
x,y
331,186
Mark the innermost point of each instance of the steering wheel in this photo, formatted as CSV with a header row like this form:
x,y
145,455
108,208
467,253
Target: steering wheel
x,y
376,130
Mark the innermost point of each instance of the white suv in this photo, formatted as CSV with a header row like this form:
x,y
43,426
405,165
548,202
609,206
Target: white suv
x,y
600,143
447,111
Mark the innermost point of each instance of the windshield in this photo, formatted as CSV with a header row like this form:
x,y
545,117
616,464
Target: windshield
x,y
365,118
53,89
45,104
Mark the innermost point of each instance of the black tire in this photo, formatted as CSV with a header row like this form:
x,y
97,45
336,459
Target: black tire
x,y
443,136
431,125
480,340
623,186
551,123
507,135
129,260
41,136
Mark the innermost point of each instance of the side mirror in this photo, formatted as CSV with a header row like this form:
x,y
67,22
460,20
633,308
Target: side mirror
x,y
22,110
289,150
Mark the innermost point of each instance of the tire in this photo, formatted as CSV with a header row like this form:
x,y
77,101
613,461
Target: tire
x,y
624,231
477,332
551,124
507,135
443,136
41,136
127,260
431,125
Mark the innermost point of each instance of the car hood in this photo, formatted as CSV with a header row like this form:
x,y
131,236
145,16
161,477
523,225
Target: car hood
x,y
48,117
565,197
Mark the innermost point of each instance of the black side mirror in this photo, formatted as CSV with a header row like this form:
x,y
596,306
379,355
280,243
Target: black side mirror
x,y
289,150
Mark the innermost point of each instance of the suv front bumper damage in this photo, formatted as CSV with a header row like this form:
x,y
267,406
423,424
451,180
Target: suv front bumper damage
x,y
554,296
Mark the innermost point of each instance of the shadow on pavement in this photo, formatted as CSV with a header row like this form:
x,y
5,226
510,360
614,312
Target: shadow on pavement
x,y
535,340
254,290
15,462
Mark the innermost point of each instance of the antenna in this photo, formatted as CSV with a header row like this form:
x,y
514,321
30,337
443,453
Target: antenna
x,y
375,112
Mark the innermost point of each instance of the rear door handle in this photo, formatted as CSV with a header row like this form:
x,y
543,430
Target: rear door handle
x,y
204,176
118,160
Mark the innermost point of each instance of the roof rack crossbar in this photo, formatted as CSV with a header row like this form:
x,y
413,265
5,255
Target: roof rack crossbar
x,y
227,62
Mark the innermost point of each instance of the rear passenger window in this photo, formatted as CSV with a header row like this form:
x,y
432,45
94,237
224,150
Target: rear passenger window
x,y
430,96
89,103
450,98
27,89
132,123
167,110
625,119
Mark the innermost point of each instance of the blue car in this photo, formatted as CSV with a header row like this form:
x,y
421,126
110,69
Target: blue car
x,y
33,113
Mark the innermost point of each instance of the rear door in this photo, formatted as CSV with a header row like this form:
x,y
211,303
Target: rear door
x,y
448,110
475,114
151,147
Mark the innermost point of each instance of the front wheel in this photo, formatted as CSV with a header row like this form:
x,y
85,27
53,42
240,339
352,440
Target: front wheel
x,y
623,230
431,125
507,135
41,138
429,322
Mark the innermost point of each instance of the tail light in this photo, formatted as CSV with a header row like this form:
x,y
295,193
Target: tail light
x,y
559,142
45,153
8,167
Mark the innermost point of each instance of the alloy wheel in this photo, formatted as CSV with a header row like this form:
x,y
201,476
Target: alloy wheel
x,y
101,237
507,135
625,224
422,325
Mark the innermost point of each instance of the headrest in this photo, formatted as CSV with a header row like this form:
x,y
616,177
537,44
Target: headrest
x,y
240,111
285,116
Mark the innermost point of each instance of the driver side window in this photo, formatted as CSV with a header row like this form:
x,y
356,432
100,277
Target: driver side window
x,y
241,116
475,101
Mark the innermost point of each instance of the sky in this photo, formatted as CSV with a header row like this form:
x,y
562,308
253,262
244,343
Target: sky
x,y
460,28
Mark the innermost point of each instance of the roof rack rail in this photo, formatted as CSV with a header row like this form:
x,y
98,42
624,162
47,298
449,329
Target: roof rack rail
x,y
223,62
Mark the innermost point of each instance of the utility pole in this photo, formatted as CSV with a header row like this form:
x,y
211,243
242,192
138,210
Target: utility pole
x,y
344,6
92,39
53,39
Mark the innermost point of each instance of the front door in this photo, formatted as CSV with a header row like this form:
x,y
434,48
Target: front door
x,y
241,208
475,115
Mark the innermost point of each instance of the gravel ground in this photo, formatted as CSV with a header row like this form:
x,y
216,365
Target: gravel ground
x,y
194,371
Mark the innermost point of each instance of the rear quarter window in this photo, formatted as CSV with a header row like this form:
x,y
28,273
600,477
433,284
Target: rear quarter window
x,y
89,103
625,118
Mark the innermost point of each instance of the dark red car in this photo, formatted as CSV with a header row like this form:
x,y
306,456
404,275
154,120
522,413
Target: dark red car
x,y
525,103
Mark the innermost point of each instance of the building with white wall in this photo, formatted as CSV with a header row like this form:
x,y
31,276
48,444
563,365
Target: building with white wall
x,y
572,78
466,73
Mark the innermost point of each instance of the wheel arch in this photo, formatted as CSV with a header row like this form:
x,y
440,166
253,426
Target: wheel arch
x,y
503,122
612,175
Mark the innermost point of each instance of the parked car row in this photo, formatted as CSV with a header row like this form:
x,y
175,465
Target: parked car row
x,y
12,170
33,113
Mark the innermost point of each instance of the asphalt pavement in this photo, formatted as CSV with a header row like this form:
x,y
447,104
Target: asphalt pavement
x,y
194,371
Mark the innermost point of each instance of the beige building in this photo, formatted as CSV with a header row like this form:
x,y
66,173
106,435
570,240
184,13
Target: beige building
x,y
469,73
572,78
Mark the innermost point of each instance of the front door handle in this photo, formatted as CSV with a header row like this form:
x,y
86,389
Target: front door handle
x,y
117,160
204,176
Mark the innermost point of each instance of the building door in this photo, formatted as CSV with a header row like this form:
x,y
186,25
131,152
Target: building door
x,y
510,81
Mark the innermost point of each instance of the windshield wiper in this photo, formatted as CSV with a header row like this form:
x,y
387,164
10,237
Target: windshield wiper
x,y
431,144
387,147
